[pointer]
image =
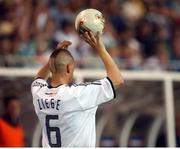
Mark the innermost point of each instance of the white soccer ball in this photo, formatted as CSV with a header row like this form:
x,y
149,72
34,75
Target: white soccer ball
x,y
90,20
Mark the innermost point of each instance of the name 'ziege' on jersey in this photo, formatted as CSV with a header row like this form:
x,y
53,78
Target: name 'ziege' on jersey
x,y
67,113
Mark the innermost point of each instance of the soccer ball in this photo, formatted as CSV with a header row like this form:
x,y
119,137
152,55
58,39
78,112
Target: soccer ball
x,y
90,20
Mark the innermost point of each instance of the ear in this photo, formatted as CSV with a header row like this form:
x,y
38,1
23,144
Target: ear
x,y
68,68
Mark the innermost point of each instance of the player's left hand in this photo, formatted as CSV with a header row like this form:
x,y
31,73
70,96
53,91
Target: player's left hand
x,y
95,41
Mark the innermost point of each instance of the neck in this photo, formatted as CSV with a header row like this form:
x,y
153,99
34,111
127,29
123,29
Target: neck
x,y
11,119
58,79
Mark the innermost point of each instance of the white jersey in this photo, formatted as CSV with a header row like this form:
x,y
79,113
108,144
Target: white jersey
x,y
67,113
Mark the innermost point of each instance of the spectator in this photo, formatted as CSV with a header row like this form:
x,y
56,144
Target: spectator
x,y
11,131
160,60
68,33
24,22
175,52
133,10
145,36
176,45
110,41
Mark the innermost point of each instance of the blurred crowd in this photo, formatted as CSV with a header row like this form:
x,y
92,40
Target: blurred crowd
x,y
139,34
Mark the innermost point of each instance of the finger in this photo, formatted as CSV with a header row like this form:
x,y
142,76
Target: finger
x,y
64,44
86,35
83,36
87,40
60,45
65,47
92,37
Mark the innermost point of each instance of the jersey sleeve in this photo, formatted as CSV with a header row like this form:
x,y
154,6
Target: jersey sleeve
x,y
94,93
37,84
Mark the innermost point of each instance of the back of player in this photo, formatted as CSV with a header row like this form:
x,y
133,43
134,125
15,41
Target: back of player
x,y
67,113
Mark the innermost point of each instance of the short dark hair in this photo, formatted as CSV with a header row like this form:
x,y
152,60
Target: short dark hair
x,y
55,52
59,50
8,99
59,59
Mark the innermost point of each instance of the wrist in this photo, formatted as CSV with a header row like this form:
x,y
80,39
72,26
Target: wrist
x,y
101,49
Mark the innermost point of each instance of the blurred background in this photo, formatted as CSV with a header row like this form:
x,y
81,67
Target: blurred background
x,y
142,36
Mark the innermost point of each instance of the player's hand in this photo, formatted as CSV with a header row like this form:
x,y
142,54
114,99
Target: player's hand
x,y
94,41
61,45
64,44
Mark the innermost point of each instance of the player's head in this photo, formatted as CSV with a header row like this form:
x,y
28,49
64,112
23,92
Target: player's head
x,y
62,63
12,106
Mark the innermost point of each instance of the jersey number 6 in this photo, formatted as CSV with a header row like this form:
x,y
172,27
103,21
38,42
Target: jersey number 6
x,y
53,141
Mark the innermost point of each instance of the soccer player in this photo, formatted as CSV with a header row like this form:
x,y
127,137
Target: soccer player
x,y
67,111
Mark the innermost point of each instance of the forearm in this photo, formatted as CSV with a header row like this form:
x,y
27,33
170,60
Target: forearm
x,y
112,69
44,72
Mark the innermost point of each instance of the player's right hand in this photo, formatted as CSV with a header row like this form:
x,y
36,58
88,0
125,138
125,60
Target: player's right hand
x,y
60,45
94,41
64,44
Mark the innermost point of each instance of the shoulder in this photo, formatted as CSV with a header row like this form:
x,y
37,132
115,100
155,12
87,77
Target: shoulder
x,y
98,82
2,122
39,82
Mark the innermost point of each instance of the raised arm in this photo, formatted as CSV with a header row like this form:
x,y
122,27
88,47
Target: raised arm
x,y
112,69
43,72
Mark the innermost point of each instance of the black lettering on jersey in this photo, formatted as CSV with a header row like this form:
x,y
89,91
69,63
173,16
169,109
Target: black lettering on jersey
x,y
48,104
52,103
38,84
43,103
58,104
39,104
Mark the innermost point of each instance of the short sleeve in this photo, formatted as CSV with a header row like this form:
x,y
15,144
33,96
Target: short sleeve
x,y
37,84
92,94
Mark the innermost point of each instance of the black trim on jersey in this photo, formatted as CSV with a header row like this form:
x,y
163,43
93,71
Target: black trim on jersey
x,y
36,83
87,83
95,83
50,86
112,87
